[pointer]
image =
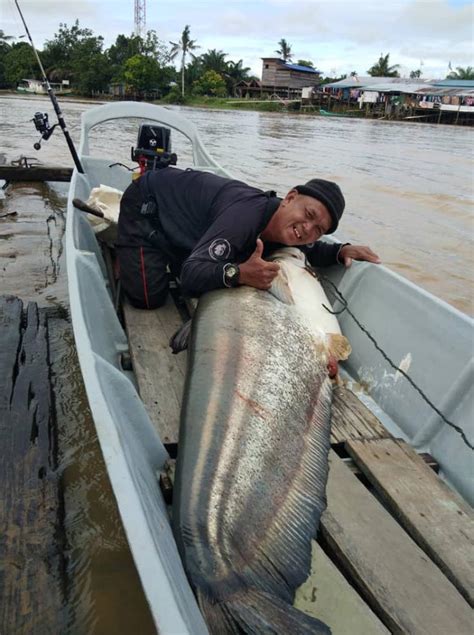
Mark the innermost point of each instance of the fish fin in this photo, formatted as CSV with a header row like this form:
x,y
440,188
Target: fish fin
x,y
179,341
254,612
339,346
281,288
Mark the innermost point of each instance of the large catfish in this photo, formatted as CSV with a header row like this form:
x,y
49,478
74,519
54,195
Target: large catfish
x,y
253,457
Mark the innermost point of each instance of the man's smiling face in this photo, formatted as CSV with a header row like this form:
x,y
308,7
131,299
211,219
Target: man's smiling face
x,y
299,220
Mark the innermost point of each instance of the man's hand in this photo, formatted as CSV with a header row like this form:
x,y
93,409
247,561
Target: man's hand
x,y
256,272
348,253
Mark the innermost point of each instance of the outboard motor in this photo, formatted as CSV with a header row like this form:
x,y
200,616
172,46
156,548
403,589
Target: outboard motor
x,y
153,150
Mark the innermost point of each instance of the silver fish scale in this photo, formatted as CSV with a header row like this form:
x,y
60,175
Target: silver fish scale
x,y
252,465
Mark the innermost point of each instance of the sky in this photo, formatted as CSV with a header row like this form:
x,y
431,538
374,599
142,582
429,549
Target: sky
x,y
338,36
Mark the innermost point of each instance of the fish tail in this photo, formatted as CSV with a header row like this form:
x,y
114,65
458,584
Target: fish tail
x,y
255,612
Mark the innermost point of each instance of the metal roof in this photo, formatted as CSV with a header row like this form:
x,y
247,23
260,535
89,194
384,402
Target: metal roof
x,y
298,67
359,82
395,87
454,83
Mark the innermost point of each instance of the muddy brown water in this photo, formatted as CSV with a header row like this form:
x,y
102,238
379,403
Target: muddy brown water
x,y
408,189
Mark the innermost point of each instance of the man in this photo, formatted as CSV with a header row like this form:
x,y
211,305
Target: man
x,y
215,232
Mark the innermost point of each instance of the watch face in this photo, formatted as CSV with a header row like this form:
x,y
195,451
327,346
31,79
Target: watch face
x,y
231,274
232,271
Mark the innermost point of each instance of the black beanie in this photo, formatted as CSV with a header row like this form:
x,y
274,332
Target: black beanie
x,y
329,193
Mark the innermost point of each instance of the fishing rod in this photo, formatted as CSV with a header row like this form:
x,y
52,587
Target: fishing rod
x,y
40,119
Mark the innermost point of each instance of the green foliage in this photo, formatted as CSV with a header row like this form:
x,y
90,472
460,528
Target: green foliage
x,y
123,49
415,74
174,96
76,54
214,60
382,67
141,73
305,63
20,63
461,73
284,51
211,83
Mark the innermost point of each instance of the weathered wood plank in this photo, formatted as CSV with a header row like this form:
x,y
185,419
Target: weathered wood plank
x,y
35,173
328,596
435,516
394,576
351,419
31,562
160,374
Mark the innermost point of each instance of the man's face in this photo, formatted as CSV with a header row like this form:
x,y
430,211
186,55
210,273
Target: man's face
x,y
299,220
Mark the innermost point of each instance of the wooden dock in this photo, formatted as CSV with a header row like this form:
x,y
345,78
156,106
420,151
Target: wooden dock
x,y
34,173
395,550
31,552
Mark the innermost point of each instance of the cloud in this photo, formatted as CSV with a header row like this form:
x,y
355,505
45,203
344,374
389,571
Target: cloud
x,y
344,35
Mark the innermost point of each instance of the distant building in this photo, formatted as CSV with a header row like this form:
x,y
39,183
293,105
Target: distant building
x,y
287,80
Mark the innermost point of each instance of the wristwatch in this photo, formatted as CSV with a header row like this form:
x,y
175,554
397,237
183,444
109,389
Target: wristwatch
x,y
231,274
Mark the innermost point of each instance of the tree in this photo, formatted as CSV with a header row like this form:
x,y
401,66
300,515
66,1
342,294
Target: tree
x,y
235,73
284,51
214,60
72,54
184,46
154,47
415,74
20,63
4,38
383,69
307,63
462,73
211,83
123,49
5,46
141,72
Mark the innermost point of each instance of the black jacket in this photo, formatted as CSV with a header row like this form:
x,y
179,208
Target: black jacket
x,y
210,221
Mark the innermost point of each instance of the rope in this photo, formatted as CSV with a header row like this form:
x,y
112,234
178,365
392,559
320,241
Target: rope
x,y
345,307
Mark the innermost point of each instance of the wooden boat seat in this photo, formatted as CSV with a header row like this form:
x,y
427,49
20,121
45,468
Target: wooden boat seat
x,y
397,580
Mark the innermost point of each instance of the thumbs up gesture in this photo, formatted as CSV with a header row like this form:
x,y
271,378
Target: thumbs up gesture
x,y
256,272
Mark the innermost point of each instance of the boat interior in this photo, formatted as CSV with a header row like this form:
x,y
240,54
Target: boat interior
x,y
394,551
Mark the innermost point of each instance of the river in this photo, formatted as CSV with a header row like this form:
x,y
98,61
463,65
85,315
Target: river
x,y
408,190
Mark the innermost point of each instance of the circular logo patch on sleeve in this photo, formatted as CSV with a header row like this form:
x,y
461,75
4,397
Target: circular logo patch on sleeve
x,y
219,249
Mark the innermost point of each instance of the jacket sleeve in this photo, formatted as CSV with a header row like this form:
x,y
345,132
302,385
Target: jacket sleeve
x,y
323,254
231,238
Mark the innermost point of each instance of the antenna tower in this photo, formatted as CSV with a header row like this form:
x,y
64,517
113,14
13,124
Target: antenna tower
x,y
140,17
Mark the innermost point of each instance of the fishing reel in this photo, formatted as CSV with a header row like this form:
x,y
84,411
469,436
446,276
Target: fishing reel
x,y
153,151
43,126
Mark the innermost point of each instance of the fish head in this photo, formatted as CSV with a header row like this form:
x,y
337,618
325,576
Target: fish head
x,y
291,255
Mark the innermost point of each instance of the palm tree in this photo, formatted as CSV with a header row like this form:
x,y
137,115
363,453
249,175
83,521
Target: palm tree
x,y
383,69
214,60
462,73
235,73
5,39
284,51
185,46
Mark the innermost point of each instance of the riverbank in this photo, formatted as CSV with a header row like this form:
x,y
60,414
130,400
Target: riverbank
x,y
293,106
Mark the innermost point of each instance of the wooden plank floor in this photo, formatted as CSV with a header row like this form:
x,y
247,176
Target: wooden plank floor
x,y
395,577
437,519
31,561
160,374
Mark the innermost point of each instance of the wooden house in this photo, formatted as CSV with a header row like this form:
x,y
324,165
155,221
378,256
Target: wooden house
x,y
285,79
